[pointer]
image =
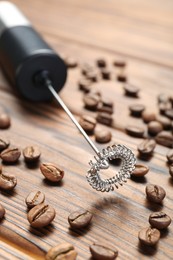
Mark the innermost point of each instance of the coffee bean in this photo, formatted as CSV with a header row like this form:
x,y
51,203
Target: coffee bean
x,y
10,155
169,156
104,118
5,121
163,107
140,170
86,68
71,62
171,170
149,236
63,251
88,123
148,116
106,105
154,128
31,153
84,85
165,138
52,172
166,122
131,90
155,193
135,131
136,109
169,113
102,135
147,147
121,77
101,63
80,218
92,75
159,220
4,144
101,251
7,181
119,63
41,215
91,101
163,98
2,212
34,198
106,74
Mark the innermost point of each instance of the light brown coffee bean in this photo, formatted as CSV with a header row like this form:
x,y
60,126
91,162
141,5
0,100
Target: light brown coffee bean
x,y
119,63
135,131
165,138
7,181
102,135
169,156
2,212
101,63
106,74
34,198
4,143
159,220
147,147
131,90
52,172
63,251
84,85
100,251
106,105
155,193
171,170
5,121
70,62
41,215
148,116
149,236
91,101
80,218
86,68
88,123
136,109
154,128
166,122
10,155
163,98
31,153
140,170
104,118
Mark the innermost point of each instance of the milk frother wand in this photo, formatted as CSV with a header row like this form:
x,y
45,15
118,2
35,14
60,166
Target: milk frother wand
x,y
39,73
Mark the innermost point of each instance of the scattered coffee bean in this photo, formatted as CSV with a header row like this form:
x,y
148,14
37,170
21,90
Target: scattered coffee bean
x,y
149,236
106,74
131,90
119,63
104,118
101,251
148,116
34,198
86,68
166,122
159,220
106,105
169,113
165,138
102,135
140,170
121,77
2,212
63,251
4,144
136,109
91,101
70,62
163,107
169,156
31,153
52,172
10,155
171,170
84,85
147,147
135,131
154,128
101,63
155,193
7,181
92,75
88,123
5,121
41,215
80,218
163,98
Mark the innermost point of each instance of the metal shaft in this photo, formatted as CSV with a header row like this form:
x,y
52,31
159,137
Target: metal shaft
x,y
57,97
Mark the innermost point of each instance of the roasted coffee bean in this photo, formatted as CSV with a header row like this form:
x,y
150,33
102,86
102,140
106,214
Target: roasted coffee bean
x,y
102,135
106,74
171,170
4,144
165,138
149,236
159,220
166,122
2,212
71,62
169,156
121,77
163,98
101,63
163,107
106,105
85,85
135,131
10,155
86,68
101,251
34,198
155,193
88,123
169,113
52,172
5,121
131,90
154,128
104,118
92,75
63,251
91,101
119,63
41,215
148,116
80,218
136,109
147,147
31,153
140,170
7,181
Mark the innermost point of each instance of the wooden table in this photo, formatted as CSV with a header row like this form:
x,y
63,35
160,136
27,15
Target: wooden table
x,y
139,31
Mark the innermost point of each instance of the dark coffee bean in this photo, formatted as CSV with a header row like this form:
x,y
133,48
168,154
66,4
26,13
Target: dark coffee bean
x,y
64,251
52,172
121,77
31,153
2,212
80,218
88,123
34,198
131,90
41,215
5,121
136,109
166,122
4,144
135,131
163,107
101,251
91,101
84,85
165,138
154,128
169,156
10,155
71,62
106,106
7,181
148,116
119,63
101,63
159,220
102,135
106,74
147,147
149,236
169,113
155,193
171,170
140,170
163,98
104,118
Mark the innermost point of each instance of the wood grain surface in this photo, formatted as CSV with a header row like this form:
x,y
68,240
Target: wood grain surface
x,y
141,33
